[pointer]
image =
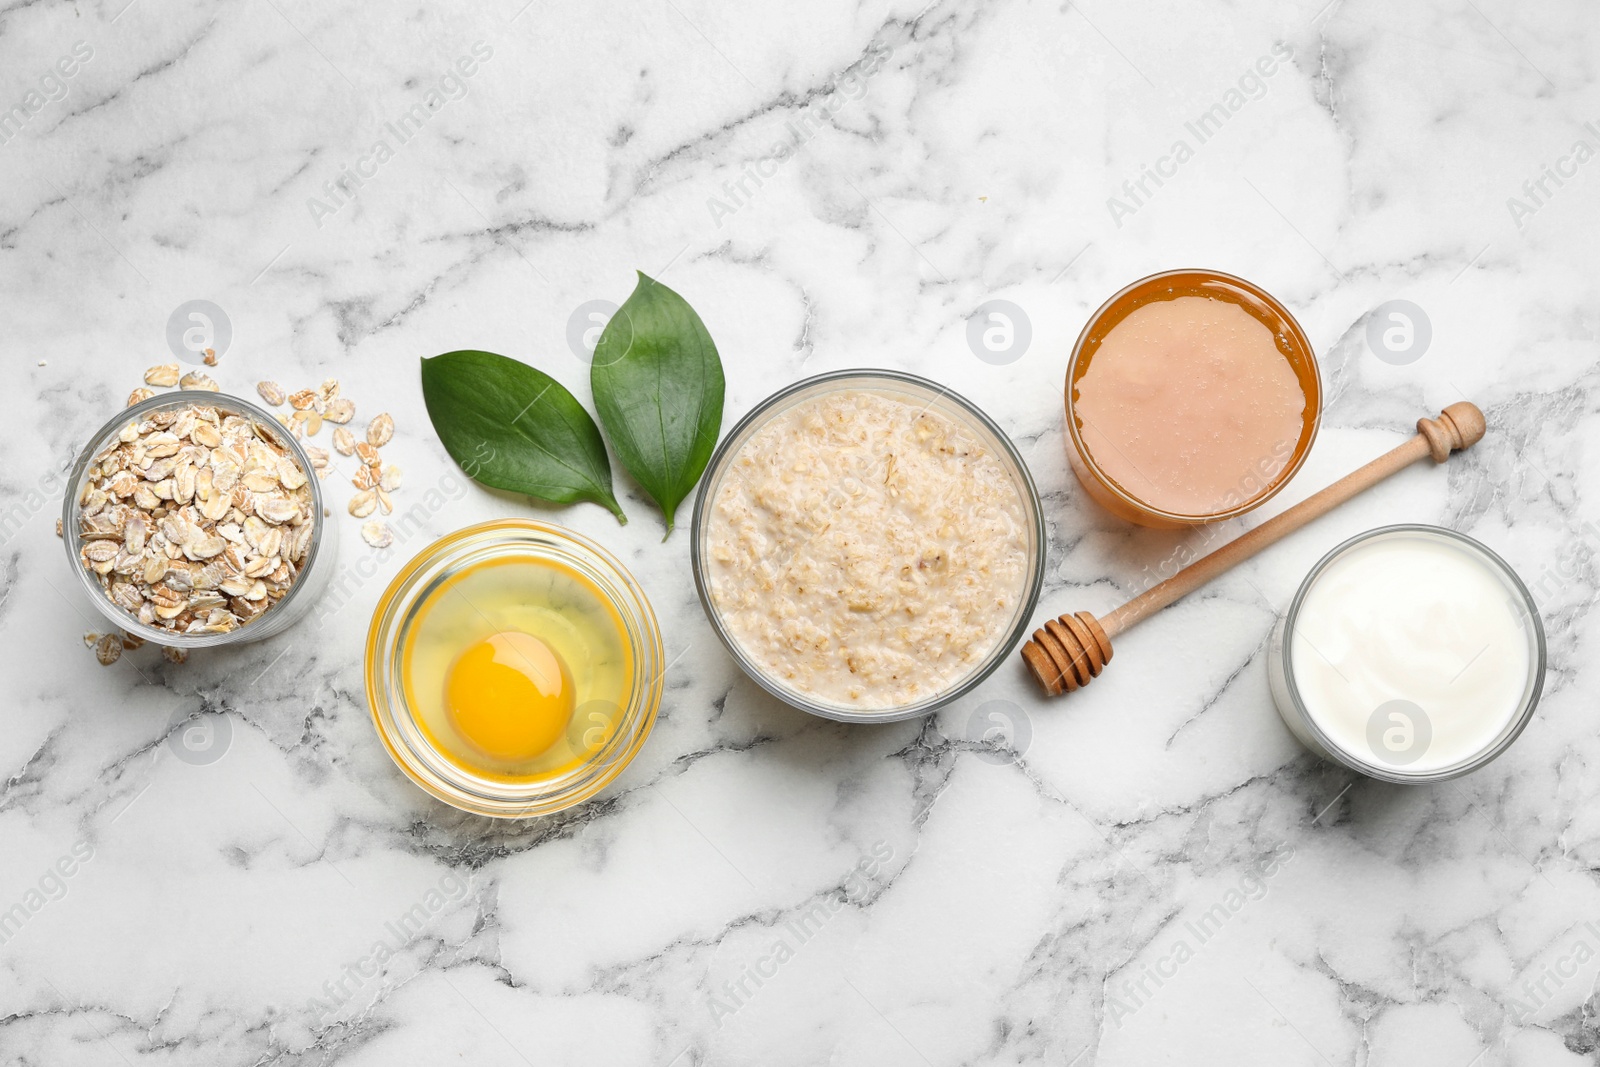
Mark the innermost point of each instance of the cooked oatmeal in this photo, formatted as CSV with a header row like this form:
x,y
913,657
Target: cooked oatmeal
x,y
865,551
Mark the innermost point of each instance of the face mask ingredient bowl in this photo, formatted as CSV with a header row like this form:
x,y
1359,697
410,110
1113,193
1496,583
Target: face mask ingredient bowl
x,y
1192,397
1409,654
513,668
868,545
193,519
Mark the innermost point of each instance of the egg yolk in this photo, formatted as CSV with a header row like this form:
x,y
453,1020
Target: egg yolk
x,y
510,696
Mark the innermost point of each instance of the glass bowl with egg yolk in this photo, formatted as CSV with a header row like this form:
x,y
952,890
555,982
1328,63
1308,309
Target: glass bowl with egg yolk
x,y
513,668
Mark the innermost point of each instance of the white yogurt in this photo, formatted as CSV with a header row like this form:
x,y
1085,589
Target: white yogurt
x,y
1413,652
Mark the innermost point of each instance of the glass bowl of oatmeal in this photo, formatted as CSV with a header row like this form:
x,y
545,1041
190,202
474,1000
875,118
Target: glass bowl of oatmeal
x,y
166,556
868,545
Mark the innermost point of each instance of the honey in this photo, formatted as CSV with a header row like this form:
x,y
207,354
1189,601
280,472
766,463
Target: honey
x,y
1192,396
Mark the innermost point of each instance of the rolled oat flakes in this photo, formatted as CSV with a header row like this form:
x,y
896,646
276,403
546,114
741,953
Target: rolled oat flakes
x,y
195,521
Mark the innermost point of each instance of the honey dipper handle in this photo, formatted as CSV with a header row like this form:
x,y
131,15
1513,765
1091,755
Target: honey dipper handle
x,y
1458,426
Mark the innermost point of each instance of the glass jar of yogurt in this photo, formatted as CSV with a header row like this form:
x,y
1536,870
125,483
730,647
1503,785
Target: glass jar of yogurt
x,y
1410,654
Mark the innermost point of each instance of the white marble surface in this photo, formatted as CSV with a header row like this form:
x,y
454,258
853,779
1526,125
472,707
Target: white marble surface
x,y
965,910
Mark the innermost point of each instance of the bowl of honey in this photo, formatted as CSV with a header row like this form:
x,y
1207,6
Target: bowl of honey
x,y
1192,397
513,668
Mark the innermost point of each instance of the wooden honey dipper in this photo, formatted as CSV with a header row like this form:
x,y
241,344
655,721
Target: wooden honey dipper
x,y
1069,652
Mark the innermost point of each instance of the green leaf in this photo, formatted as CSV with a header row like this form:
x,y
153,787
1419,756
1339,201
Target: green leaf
x,y
512,427
658,387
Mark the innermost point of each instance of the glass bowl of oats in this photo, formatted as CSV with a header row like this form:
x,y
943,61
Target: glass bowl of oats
x,y
194,519
868,545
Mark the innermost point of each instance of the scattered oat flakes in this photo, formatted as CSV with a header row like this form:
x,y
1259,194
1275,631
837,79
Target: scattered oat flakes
x,y
162,375
211,357
108,649
131,641
380,430
196,380
376,533
89,639
174,655
139,396
373,480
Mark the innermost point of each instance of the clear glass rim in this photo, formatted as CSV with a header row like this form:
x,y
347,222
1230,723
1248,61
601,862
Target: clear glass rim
x,y
869,377
226,403
391,717
1535,686
1296,461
